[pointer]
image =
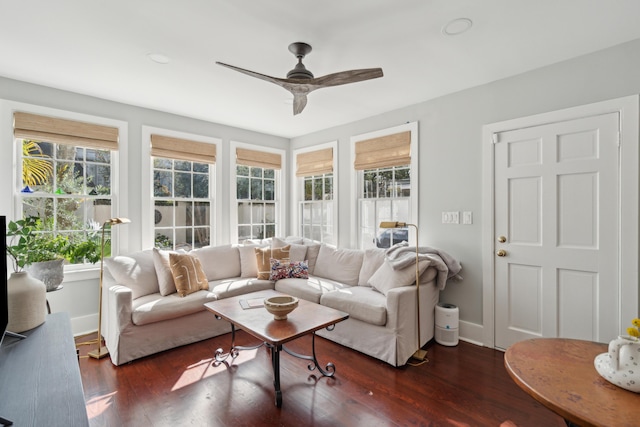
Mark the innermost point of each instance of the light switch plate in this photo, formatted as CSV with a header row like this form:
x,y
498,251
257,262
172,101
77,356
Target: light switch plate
x,y
467,217
451,217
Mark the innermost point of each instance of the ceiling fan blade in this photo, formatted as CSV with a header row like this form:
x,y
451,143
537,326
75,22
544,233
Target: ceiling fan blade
x,y
346,77
253,74
299,102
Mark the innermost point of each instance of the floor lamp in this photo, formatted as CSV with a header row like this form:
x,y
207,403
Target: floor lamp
x,y
102,350
419,354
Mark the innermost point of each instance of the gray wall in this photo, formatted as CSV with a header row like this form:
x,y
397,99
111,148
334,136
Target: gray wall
x,y
450,154
450,135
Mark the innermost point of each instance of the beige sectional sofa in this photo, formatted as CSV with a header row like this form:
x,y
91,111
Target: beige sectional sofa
x,y
143,315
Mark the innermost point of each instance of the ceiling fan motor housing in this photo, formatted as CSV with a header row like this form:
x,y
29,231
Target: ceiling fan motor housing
x,y
300,50
300,72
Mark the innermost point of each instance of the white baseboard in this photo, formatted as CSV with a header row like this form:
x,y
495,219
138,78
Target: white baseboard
x,y
84,324
471,333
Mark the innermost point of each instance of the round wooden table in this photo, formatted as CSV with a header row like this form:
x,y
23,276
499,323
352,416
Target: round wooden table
x,y
559,373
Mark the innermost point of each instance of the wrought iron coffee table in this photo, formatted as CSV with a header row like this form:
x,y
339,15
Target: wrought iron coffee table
x,y
258,322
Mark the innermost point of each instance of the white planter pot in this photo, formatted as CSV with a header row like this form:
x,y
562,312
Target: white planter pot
x,y
51,273
27,298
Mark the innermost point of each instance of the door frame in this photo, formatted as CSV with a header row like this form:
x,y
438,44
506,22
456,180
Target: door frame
x,y
628,108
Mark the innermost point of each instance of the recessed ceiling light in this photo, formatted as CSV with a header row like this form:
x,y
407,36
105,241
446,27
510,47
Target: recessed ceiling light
x,y
457,26
159,58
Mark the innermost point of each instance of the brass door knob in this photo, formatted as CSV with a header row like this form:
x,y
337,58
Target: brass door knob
x,y
501,252
502,239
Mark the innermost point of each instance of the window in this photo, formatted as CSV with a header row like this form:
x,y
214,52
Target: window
x,y
314,170
386,196
257,193
66,175
256,202
182,175
386,165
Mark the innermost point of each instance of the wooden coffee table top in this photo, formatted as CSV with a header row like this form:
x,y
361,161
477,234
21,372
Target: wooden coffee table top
x,y
560,374
306,318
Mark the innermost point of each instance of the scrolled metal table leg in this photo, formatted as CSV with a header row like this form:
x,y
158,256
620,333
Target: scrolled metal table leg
x,y
221,356
328,371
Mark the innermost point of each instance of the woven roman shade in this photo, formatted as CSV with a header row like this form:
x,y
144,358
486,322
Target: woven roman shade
x,y
261,159
384,151
62,131
314,162
182,149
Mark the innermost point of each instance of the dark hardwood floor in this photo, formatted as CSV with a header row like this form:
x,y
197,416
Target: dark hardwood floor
x,y
466,385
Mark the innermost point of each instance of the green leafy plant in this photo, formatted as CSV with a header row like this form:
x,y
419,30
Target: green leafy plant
x,y
29,243
36,168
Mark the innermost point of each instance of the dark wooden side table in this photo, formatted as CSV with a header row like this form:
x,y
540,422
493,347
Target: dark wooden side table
x,y
40,383
560,374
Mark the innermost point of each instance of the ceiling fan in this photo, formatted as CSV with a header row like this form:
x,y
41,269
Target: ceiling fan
x,y
300,81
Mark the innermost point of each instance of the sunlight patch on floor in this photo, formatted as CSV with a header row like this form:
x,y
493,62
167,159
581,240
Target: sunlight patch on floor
x,y
96,406
205,369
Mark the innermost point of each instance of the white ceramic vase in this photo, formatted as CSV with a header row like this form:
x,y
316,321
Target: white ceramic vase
x,y
27,297
621,364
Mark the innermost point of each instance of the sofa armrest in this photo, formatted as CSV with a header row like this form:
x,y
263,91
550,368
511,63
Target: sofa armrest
x,y
402,310
117,308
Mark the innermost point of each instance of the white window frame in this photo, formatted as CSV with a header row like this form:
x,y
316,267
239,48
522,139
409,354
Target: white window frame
x,y
119,177
148,205
297,189
357,180
280,195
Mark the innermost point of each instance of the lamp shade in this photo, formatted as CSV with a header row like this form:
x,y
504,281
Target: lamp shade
x,y
392,224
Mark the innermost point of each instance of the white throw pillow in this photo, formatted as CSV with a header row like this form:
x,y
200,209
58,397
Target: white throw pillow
x,y
341,265
373,259
136,271
163,270
219,262
313,249
248,263
386,278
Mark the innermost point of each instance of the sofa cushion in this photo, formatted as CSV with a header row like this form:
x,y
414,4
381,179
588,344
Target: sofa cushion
x,y
263,259
135,271
386,278
342,265
187,274
308,289
232,287
219,262
155,307
360,302
373,259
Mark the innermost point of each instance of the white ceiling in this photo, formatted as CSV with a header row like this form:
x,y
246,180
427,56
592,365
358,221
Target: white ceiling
x,y
100,48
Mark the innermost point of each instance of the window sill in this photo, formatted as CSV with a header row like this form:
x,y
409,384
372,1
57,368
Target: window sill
x,y
77,275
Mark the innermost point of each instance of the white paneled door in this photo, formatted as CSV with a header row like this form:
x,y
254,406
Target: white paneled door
x,y
557,230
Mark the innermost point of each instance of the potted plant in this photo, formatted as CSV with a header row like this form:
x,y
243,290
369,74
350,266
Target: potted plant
x,y
43,254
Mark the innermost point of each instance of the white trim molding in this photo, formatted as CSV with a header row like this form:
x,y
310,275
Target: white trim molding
x,y
628,109
415,178
147,233
280,192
